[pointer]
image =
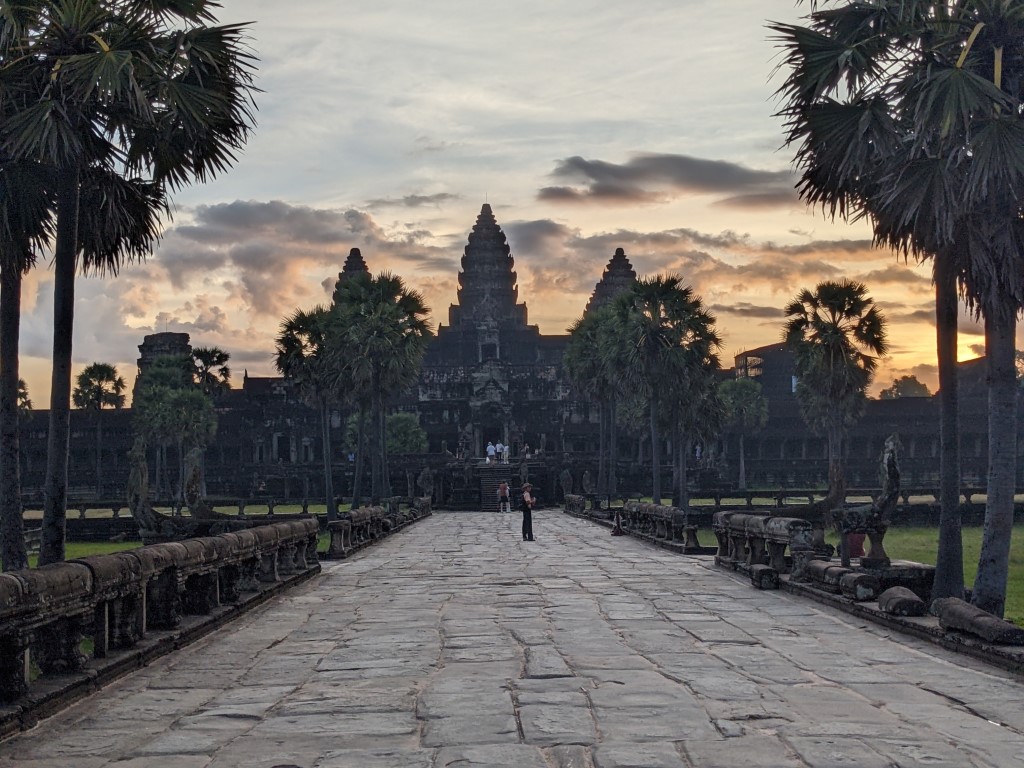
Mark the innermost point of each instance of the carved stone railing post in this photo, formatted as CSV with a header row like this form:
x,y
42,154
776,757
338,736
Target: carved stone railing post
x,y
57,645
14,666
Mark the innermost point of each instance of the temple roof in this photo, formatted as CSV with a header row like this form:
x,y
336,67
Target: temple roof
x,y
618,278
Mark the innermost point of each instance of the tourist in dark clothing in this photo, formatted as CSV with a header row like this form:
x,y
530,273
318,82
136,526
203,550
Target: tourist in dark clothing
x,y
527,508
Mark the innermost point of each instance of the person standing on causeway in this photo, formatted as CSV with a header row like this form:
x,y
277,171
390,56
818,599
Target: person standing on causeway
x,y
503,505
528,501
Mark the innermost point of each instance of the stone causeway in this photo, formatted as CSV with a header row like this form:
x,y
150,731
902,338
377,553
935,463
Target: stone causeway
x,y
455,643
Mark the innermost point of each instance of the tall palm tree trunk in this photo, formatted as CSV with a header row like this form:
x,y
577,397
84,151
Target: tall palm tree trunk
x,y
836,476
12,527
993,562
836,494
655,454
683,449
179,493
385,473
325,424
612,449
602,448
99,453
357,479
742,483
949,563
156,471
55,488
375,484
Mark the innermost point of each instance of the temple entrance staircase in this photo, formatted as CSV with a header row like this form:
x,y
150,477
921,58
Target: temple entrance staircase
x,y
491,476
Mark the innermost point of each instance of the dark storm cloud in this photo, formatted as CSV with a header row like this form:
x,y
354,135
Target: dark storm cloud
x,y
411,201
648,178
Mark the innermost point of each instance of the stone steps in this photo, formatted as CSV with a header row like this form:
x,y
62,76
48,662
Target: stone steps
x,y
491,476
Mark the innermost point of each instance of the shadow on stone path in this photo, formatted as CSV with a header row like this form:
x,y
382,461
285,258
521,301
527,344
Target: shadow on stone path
x,y
454,643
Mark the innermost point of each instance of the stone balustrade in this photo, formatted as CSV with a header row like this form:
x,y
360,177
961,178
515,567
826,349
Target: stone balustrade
x,y
365,525
575,504
752,543
668,527
115,600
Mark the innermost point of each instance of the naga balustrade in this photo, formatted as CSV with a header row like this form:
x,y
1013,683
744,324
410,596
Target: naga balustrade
x,y
116,599
660,522
745,541
365,525
670,527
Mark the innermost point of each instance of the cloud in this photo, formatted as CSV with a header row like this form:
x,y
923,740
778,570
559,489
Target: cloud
x,y
896,275
411,201
781,198
601,193
746,309
263,254
653,178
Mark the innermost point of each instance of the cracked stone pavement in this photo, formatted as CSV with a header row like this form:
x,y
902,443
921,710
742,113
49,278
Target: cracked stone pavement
x,y
454,643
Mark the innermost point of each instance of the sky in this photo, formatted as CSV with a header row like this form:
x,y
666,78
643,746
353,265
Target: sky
x,y
587,125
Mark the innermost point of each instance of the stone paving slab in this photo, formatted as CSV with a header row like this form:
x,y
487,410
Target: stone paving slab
x,y
454,643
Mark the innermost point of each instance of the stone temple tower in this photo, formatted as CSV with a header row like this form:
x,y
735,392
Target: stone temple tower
x,y
618,277
487,282
354,265
489,375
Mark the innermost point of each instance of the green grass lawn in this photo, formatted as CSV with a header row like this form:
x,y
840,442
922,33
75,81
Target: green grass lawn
x,y
920,544
85,548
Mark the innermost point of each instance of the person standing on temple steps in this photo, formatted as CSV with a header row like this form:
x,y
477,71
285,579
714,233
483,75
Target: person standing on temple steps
x,y
527,508
503,505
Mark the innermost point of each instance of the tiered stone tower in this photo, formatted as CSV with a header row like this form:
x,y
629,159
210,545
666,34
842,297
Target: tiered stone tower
x,y
487,282
489,375
354,265
618,278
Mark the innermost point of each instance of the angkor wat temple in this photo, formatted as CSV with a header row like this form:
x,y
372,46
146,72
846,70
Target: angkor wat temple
x,y
488,376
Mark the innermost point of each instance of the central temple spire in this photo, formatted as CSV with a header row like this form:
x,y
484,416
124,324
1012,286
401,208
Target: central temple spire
x,y
487,281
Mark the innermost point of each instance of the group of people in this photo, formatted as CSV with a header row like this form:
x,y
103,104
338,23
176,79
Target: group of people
x,y
497,453
526,505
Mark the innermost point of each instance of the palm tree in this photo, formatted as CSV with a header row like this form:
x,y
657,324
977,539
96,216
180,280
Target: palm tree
x,y
113,89
746,408
384,334
212,374
697,415
589,369
25,225
905,113
170,409
837,335
670,341
305,355
99,386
